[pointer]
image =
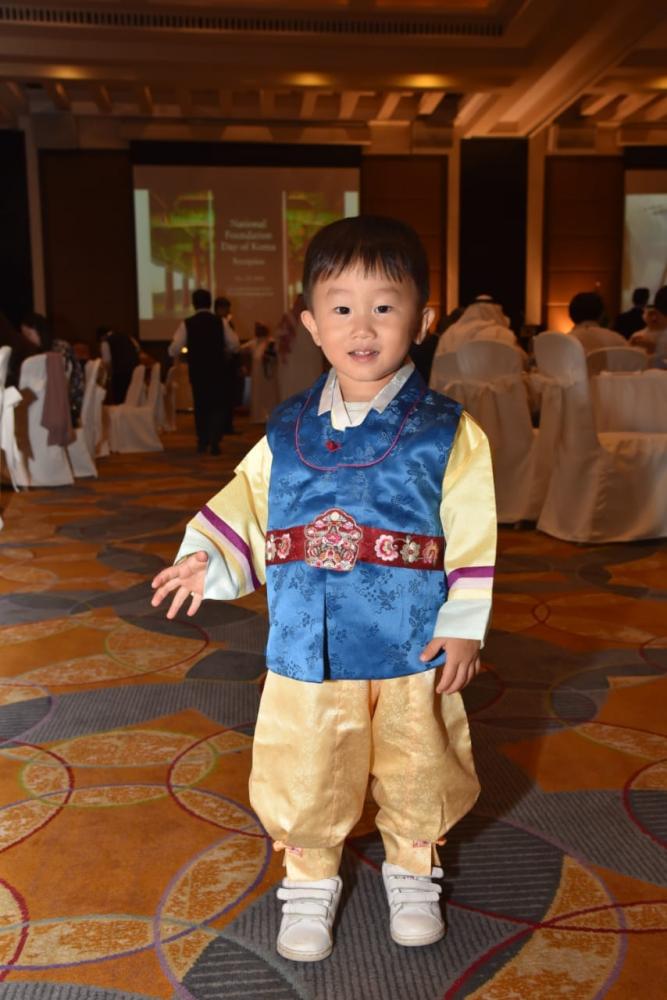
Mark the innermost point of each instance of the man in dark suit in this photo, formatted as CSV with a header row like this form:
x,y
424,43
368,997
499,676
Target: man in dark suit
x,y
203,336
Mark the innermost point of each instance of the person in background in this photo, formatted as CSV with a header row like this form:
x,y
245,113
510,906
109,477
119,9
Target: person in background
x,y
233,390
265,394
120,354
21,348
422,354
300,360
37,330
653,338
586,310
81,350
483,319
632,320
203,335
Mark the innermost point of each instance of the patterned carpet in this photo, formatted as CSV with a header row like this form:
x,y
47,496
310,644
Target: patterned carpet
x,y
132,865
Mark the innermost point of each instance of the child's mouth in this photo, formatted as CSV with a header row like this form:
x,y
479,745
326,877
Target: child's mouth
x,y
368,355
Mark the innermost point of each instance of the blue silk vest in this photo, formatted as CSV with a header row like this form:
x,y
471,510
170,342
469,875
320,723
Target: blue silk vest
x,y
372,621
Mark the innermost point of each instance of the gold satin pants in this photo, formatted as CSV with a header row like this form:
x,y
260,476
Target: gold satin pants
x,y
315,746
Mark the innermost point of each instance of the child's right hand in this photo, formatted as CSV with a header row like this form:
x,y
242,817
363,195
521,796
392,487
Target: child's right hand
x,y
186,578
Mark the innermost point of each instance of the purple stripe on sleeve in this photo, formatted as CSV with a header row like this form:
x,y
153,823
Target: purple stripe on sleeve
x,y
467,572
232,537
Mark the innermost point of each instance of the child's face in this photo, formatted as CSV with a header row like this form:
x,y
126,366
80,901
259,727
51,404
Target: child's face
x,y
365,324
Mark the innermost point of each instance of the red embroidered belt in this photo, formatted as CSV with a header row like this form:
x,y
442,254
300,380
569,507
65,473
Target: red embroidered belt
x,y
334,540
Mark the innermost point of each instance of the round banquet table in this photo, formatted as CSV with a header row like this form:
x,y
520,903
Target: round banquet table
x,y
631,401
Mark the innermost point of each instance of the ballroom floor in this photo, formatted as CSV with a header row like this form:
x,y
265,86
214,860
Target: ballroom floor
x,y
131,864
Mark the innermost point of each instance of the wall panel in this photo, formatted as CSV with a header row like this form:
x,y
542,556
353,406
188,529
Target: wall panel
x,y
413,189
492,254
89,257
15,260
583,233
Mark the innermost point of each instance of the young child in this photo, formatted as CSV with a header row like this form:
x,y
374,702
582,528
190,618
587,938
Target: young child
x,y
363,488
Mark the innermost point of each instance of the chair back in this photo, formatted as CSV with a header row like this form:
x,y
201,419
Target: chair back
x,y
445,369
90,404
562,359
169,401
135,390
48,465
153,397
5,355
488,359
616,359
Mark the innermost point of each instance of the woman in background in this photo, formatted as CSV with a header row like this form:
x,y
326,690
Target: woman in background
x,y
21,348
265,393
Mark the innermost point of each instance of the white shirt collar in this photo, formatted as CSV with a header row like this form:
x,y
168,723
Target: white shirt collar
x,y
331,399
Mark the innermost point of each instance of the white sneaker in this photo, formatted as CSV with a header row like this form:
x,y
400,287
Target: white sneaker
x,y
309,911
414,911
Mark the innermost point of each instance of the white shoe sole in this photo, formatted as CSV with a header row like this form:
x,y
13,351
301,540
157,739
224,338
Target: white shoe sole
x,y
303,956
418,942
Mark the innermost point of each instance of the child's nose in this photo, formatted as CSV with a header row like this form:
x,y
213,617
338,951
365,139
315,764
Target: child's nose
x,y
365,326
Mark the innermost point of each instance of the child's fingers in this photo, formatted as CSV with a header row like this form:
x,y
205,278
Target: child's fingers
x,y
165,589
180,597
447,676
194,604
464,673
431,649
457,681
165,574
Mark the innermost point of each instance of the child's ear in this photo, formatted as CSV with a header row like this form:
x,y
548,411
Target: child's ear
x,y
427,317
308,321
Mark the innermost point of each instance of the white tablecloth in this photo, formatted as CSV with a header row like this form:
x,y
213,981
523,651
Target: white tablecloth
x,y
630,401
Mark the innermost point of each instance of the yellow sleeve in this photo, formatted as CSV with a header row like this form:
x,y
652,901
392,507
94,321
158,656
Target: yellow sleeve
x,y
468,515
231,529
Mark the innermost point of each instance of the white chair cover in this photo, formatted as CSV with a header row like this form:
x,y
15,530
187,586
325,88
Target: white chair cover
x,y
5,355
488,359
603,488
616,359
631,401
445,369
9,399
136,393
134,428
487,379
82,450
16,467
520,468
170,395
48,465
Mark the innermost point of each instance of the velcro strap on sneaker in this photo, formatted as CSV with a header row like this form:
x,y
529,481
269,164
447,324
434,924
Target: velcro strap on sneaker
x,y
306,908
414,890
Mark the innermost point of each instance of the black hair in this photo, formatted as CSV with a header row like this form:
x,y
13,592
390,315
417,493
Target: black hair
x,y
222,303
201,298
39,323
660,300
586,306
640,297
379,245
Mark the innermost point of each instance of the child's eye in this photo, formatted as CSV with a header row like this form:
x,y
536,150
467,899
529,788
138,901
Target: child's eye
x,y
383,309
342,310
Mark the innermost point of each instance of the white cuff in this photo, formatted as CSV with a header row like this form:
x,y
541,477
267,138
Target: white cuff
x,y
219,585
464,619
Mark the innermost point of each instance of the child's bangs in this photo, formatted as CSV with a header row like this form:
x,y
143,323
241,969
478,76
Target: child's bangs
x,y
373,244
372,261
